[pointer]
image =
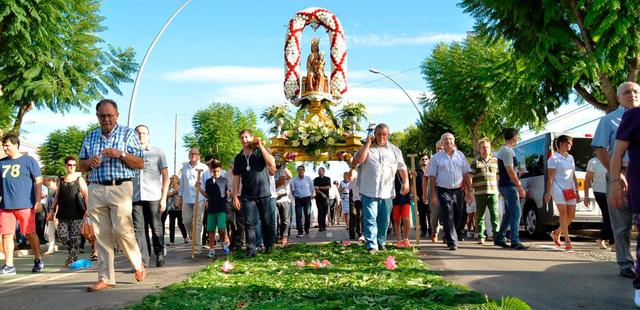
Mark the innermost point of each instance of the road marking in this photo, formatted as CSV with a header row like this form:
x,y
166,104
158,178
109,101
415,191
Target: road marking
x,y
329,235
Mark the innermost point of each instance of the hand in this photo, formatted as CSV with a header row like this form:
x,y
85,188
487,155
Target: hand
x,y
405,188
577,196
162,206
547,197
468,197
38,207
434,202
236,203
49,217
425,200
587,201
197,185
257,141
615,195
521,192
112,153
370,140
95,162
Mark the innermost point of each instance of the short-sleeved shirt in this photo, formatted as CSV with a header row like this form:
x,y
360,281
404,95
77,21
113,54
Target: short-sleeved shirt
x,y
605,135
188,180
302,187
629,130
216,190
17,188
599,171
321,182
565,168
449,170
147,184
378,171
419,176
485,172
506,158
121,138
255,181
284,190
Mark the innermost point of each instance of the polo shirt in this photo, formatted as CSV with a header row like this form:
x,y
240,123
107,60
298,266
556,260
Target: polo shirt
x,y
605,135
449,170
485,173
302,187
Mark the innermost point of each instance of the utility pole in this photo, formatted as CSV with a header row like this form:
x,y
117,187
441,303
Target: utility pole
x,y
175,146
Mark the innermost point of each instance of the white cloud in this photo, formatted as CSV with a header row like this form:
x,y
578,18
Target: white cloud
x,y
387,40
46,118
227,74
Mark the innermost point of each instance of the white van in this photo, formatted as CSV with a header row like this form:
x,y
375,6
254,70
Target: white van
x,y
532,155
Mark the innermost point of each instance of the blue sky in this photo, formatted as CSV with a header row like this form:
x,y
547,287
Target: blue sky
x,y
232,51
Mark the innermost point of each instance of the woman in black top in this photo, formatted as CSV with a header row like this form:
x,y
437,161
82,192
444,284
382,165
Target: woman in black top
x,y
69,207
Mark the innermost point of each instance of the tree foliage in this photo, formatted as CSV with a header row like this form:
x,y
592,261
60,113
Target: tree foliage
x,y
51,56
59,145
218,126
479,88
588,46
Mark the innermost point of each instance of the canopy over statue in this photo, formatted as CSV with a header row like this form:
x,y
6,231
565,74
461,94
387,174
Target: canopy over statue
x,y
315,133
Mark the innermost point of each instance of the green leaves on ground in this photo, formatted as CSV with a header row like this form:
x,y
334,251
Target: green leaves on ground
x,y
354,280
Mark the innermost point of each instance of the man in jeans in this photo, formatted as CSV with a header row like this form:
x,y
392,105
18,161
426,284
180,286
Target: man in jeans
x,y
150,186
322,185
380,161
511,189
302,192
187,194
628,95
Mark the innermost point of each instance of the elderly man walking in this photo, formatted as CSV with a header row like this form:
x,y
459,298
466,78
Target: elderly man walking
x,y
485,186
380,161
150,186
110,155
187,194
628,95
447,170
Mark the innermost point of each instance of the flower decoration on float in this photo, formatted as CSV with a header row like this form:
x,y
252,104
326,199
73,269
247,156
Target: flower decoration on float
x,y
315,137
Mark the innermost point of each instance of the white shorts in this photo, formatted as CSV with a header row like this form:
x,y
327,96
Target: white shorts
x,y
558,197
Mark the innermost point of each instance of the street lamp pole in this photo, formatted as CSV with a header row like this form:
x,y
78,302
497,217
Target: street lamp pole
x,y
144,61
376,71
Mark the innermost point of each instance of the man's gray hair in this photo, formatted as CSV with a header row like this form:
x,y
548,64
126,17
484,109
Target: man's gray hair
x,y
623,86
446,134
381,126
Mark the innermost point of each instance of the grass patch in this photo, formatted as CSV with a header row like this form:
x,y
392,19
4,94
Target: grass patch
x,y
354,280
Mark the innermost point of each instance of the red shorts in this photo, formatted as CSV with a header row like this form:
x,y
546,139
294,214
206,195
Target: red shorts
x,y
401,211
26,218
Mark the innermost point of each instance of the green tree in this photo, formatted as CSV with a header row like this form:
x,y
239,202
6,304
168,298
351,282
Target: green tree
x,y
59,145
585,46
478,88
51,56
218,126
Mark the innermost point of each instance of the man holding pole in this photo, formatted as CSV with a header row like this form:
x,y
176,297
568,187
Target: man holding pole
x,y
191,174
380,161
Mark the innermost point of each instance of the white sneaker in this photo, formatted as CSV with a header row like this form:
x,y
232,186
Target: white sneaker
x,y
211,254
636,299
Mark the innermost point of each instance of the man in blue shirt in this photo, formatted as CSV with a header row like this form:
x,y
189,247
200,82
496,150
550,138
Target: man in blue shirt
x,y
303,190
20,191
628,95
109,155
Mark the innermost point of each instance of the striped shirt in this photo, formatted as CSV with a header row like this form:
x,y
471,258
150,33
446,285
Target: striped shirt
x,y
121,138
485,173
448,170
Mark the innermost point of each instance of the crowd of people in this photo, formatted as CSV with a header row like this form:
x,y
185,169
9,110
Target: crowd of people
x,y
128,195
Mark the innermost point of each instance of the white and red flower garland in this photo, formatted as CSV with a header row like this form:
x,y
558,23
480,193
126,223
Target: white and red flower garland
x,y
292,57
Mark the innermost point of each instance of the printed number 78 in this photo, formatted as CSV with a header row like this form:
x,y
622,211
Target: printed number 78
x,y
15,170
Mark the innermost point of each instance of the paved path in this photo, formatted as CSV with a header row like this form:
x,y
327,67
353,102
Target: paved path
x,y
543,276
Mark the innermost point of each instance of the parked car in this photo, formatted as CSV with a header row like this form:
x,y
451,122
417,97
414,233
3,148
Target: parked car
x,y
538,218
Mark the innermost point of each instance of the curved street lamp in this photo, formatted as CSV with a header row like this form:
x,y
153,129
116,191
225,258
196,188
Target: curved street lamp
x,y
144,60
376,71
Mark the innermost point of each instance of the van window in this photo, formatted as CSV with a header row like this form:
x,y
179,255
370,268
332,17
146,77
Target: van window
x,y
531,157
581,152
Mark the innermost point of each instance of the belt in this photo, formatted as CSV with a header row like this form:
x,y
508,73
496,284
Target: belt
x,y
114,182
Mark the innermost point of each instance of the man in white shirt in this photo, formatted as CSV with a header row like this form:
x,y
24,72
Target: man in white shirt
x,y
380,161
187,194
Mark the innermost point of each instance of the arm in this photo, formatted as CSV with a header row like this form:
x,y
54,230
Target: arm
x,y
234,192
575,184
603,156
618,181
165,189
132,161
37,182
551,173
85,194
467,178
54,205
587,184
404,175
434,196
425,183
363,152
268,158
85,165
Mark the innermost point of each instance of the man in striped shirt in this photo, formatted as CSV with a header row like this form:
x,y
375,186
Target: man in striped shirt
x,y
485,185
447,170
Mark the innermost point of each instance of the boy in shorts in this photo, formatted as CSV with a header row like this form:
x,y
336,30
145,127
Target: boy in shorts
x,y
217,190
20,191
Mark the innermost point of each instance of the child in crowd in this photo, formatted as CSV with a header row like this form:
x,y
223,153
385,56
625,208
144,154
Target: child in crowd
x,y
472,229
217,189
401,212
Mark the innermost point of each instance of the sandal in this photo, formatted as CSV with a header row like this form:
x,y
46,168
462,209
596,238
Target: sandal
x,y
568,247
94,257
556,238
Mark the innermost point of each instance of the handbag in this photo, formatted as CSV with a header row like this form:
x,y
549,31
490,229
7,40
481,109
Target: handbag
x,y
87,230
569,194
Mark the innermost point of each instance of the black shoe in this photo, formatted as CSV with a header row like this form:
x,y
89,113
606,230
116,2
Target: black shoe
x,y
382,248
160,260
501,244
268,250
628,273
352,238
424,234
250,254
453,247
519,246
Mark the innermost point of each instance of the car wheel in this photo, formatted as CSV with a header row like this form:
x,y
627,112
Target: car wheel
x,y
532,225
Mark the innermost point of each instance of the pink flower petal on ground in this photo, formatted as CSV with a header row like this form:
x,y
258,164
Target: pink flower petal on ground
x,y
325,263
390,263
227,267
300,263
346,243
315,264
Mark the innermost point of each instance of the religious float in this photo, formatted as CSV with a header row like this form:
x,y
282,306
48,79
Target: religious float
x,y
314,132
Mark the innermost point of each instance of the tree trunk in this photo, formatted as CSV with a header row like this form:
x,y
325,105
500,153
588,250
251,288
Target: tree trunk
x,y
22,110
590,98
609,91
632,74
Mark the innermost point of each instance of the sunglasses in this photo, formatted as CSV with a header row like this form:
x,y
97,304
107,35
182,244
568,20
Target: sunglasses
x,y
72,165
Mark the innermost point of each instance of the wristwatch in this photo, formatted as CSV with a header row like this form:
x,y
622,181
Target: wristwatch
x,y
123,155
